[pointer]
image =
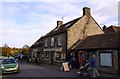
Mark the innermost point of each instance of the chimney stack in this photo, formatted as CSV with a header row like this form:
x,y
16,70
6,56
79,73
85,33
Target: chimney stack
x,y
59,23
104,27
86,11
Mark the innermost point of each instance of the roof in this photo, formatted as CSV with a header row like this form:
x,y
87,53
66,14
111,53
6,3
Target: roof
x,y
62,28
116,28
112,29
102,41
37,43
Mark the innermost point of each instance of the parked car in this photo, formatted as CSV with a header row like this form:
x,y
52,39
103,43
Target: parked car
x,y
10,65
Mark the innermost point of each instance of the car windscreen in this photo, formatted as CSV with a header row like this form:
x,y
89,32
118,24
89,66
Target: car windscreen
x,y
8,61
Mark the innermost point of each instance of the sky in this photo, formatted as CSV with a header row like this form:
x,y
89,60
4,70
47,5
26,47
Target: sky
x,y
22,22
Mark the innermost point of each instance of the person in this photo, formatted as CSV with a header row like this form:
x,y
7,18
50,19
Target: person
x,y
93,65
73,61
21,58
70,60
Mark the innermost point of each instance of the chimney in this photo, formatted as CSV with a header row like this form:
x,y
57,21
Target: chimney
x,y
86,11
104,27
59,23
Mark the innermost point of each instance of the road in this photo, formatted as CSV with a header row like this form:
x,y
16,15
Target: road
x,y
32,70
43,71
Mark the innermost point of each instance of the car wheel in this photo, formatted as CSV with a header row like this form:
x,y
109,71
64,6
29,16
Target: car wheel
x,y
18,71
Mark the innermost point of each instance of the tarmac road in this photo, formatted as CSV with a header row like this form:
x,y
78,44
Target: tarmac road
x,y
34,71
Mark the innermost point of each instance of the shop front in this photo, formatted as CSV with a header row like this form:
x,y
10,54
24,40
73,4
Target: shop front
x,y
53,55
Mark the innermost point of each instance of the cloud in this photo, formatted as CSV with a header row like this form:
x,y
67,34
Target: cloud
x,y
23,33
18,38
59,1
42,0
24,22
104,12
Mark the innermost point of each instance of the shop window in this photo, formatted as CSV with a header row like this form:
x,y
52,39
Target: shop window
x,y
58,56
106,59
46,56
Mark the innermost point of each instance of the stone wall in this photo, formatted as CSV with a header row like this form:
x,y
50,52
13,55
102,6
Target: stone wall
x,y
114,68
83,28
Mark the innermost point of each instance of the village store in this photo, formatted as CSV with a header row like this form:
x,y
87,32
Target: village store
x,y
106,47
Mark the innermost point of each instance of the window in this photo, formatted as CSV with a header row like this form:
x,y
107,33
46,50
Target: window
x,y
106,59
59,40
46,43
58,56
52,41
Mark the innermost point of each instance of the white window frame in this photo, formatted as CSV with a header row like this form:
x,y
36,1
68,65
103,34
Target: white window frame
x,y
52,41
59,40
46,41
106,59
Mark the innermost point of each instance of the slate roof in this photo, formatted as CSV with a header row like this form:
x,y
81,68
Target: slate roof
x,y
112,29
62,28
102,41
37,43
56,30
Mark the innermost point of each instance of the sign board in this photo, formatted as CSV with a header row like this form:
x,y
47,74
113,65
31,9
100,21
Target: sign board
x,y
66,67
53,49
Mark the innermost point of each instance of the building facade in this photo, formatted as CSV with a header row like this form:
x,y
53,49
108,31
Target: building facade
x,y
59,42
54,48
35,52
106,47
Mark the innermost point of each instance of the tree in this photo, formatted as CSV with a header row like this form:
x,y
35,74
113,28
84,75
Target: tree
x,y
26,46
25,49
7,51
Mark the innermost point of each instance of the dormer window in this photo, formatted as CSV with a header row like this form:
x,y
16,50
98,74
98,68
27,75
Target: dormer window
x,y
46,42
52,41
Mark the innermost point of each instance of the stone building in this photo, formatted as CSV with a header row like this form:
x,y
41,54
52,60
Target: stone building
x,y
106,47
59,42
35,51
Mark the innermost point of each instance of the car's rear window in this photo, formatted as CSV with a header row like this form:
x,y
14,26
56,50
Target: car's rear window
x,y
8,61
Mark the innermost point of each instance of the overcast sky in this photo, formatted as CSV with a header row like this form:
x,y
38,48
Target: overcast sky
x,y
22,22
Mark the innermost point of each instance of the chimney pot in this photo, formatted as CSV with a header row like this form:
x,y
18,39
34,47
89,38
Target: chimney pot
x,y
59,23
86,11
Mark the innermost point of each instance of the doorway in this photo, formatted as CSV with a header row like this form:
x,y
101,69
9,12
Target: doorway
x,y
52,58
